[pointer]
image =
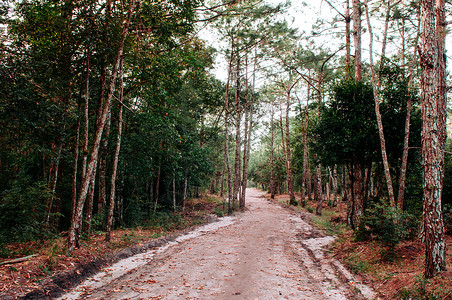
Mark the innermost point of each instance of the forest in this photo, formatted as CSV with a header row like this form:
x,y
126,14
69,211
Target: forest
x,y
113,114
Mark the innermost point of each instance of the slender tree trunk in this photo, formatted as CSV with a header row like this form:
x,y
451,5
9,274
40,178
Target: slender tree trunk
x,y
248,130
376,84
272,153
435,246
289,154
334,184
406,139
116,158
327,189
357,38
222,182
318,190
184,197
309,182
102,199
246,111
157,188
75,225
304,179
226,132
89,207
357,195
174,193
52,183
238,117
75,165
348,70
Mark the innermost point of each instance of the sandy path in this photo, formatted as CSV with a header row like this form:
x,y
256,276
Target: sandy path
x,y
267,252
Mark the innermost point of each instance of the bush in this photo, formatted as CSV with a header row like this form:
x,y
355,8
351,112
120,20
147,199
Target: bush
x,y
23,213
387,225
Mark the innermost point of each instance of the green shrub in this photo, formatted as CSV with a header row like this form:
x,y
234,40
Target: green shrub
x,y
387,225
23,213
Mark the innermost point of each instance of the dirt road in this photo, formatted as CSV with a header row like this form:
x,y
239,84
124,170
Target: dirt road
x,y
267,252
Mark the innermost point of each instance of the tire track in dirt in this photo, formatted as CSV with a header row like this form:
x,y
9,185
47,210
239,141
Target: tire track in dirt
x,y
268,252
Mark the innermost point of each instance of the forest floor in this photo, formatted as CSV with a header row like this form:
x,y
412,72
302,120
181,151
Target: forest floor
x,y
398,276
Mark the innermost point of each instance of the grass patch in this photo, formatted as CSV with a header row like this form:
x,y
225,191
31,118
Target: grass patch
x,y
325,222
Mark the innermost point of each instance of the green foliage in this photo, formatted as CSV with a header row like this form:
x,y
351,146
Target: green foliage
x,y
357,265
387,225
165,221
419,291
23,213
347,130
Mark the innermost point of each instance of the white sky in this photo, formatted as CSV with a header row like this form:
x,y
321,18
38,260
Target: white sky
x,y
303,17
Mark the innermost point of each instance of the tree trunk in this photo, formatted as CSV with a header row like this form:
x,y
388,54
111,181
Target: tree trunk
x,y
248,129
288,152
89,207
226,131
334,177
357,38
305,150
238,117
272,154
52,183
184,197
441,73
102,199
75,165
357,195
75,225
435,246
174,193
404,164
116,158
318,197
157,188
309,182
348,70
376,84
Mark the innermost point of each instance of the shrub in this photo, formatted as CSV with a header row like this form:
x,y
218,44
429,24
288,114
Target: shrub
x,y
23,213
387,225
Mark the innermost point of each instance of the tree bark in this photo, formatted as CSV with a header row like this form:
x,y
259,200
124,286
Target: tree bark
x,y
334,181
238,117
75,165
318,189
304,179
226,131
157,187
114,170
435,246
88,215
357,38
288,152
348,70
272,153
184,197
102,199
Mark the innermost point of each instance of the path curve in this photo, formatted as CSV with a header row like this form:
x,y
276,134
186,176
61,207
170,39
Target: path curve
x,y
267,252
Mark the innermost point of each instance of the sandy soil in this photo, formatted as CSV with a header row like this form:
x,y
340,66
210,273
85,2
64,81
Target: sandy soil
x,y
267,252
